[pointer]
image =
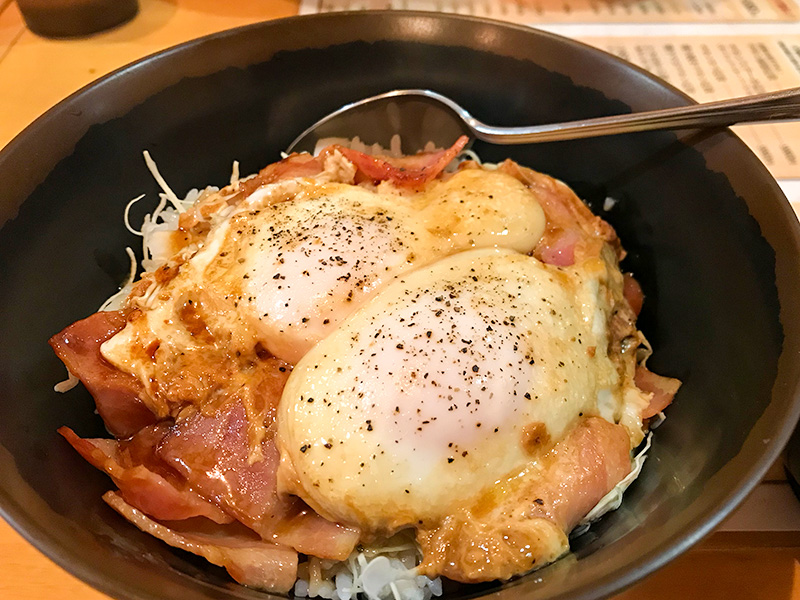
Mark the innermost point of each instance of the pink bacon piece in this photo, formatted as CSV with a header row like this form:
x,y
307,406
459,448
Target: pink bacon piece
x,y
249,560
572,231
197,451
560,251
212,453
294,165
116,394
408,172
505,534
663,390
633,293
156,494
587,464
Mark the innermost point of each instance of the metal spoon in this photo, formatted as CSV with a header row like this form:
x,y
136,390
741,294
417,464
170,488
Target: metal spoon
x,y
421,116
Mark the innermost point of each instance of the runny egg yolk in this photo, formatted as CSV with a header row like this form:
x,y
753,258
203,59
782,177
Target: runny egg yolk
x,y
454,376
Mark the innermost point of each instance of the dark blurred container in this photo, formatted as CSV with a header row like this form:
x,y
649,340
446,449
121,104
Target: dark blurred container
x,y
71,18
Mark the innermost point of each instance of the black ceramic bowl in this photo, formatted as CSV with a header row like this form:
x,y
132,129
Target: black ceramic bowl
x,y
710,237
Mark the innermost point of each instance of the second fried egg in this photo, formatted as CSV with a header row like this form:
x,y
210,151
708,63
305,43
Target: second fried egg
x,y
453,377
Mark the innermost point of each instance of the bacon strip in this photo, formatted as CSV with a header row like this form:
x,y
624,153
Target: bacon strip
x,y
116,394
527,519
294,165
662,388
633,293
308,533
583,468
250,561
409,172
559,249
201,467
158,495
572,232
212,453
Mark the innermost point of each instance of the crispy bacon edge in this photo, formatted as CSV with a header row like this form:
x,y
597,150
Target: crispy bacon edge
x,y
407,172
117,395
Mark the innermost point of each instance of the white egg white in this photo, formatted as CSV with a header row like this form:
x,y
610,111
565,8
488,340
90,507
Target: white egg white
x,y
454,376
288,264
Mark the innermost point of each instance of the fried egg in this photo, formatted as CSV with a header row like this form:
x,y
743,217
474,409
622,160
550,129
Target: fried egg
x,y
454,377
296,258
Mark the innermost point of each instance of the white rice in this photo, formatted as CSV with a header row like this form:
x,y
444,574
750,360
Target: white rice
x,y
394,150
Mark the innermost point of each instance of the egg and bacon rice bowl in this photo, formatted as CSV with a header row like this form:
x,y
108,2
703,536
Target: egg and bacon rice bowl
x,y
357,374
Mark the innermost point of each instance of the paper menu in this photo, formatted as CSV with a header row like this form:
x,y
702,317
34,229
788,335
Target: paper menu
x,y
717,67
725,66
582,11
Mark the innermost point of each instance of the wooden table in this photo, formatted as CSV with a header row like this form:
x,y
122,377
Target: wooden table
x,y
755,555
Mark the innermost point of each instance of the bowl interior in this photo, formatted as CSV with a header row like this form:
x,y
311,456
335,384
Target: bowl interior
x,y
708,234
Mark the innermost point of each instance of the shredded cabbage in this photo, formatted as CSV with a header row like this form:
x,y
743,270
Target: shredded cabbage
x,y
385,572
70,382
151,164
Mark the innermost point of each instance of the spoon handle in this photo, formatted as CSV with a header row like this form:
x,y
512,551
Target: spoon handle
x,y
783,105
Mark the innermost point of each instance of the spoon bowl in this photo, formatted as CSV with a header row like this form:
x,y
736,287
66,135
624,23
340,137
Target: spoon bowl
x,y
416,117
419,117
